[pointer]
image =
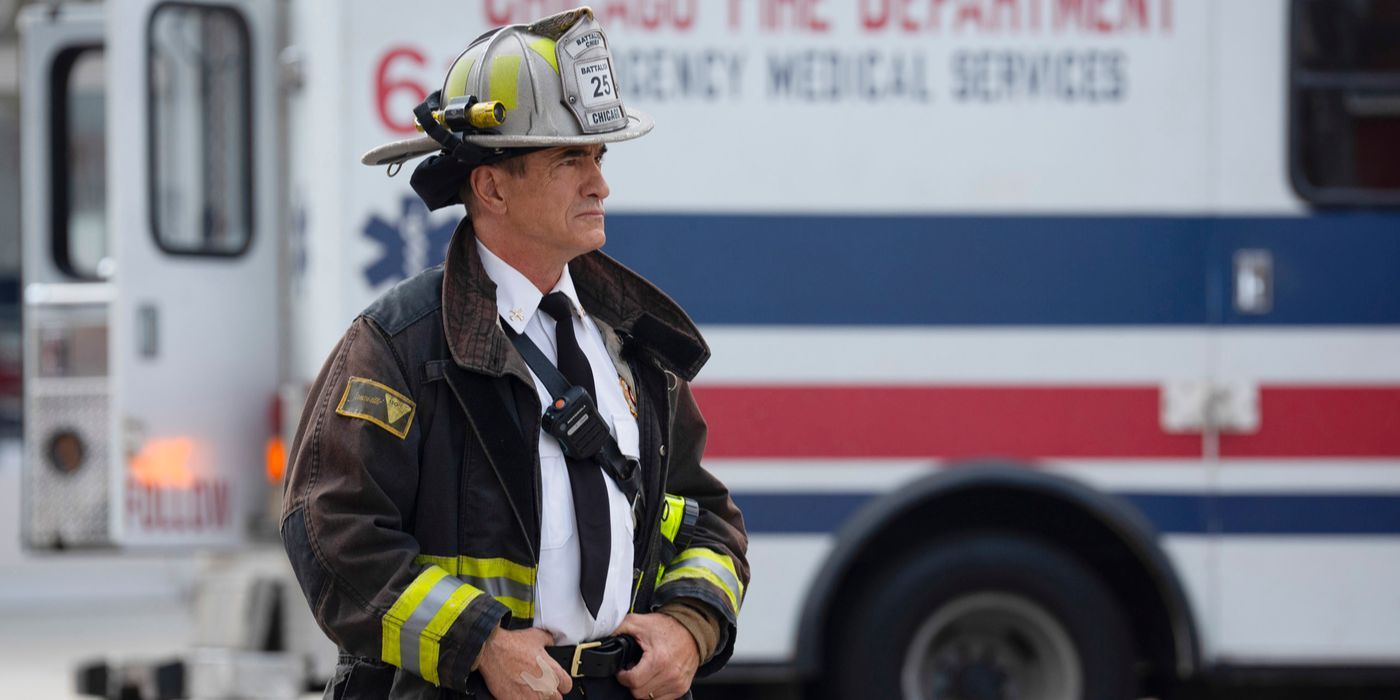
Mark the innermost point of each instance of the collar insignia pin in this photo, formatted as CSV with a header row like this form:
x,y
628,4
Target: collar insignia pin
x,y
627,394
517,315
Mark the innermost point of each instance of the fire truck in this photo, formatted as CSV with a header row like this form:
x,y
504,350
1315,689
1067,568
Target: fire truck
x,y
1056,343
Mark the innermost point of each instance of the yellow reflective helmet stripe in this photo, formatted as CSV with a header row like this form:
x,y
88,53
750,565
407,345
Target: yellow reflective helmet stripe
x,y
718,569
545,47
510,583
414,626
504,85
456,84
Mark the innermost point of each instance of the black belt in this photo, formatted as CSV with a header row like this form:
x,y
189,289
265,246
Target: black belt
x,y
600,659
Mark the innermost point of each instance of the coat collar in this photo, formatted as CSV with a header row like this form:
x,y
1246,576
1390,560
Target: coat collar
x,y
609,291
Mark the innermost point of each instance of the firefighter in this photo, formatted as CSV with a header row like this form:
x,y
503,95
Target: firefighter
x,y
495,488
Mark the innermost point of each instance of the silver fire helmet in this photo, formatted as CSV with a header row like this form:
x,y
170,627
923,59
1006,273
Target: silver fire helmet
x,y
554,79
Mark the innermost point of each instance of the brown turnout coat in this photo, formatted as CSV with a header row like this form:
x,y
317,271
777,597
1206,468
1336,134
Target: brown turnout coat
x,y
412,506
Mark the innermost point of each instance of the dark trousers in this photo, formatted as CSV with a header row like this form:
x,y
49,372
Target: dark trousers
x,y
598,689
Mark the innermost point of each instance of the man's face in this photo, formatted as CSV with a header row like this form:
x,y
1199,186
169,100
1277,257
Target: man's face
x,y
557,203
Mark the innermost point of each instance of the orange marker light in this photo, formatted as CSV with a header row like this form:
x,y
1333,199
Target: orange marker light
x,y
165,463
276,456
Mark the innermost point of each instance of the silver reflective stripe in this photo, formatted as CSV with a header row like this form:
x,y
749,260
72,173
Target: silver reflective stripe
x,y
411,638
501,587
713,567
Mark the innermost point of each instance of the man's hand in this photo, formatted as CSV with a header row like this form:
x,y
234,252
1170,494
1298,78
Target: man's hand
x,y
516,667
669,657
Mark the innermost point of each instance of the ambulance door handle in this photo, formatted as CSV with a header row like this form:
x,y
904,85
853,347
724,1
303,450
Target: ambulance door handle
x,y
147,331
1192,405
1254,281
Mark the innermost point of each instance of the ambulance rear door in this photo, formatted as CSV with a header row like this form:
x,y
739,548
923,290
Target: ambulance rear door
x,y
193,183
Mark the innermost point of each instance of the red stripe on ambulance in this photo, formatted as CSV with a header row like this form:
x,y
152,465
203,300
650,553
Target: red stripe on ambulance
x,y
1028,422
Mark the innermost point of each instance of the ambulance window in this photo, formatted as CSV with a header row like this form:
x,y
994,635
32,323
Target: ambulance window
x,y
199,70
79,151
1345,101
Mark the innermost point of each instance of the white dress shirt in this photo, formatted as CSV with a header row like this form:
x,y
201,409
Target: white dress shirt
x,y
559,605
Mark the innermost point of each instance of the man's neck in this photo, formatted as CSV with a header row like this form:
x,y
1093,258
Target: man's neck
x,y
538,267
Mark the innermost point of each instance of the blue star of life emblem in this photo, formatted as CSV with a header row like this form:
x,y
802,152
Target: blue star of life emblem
x,y
413,243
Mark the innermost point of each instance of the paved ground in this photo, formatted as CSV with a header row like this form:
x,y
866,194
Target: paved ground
x,y
57,611
40,650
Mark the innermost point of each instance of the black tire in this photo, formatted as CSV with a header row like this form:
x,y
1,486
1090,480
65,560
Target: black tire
x,y
987,616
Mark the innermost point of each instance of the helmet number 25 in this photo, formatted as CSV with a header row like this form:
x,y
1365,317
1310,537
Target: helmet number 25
x,y
602,87
595,83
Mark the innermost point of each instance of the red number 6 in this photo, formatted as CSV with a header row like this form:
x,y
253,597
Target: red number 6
x,y
384,88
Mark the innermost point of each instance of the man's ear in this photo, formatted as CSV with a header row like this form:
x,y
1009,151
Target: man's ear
x,y
486,184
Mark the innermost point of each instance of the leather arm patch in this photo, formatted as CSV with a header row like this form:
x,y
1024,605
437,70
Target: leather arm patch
x,y
369,400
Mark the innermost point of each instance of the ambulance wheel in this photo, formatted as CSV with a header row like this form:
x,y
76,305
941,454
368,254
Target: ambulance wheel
x,y
984,617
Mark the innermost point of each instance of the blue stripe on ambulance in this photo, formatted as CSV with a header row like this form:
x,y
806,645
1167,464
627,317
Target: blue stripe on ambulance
x,y
1329,268
1186,514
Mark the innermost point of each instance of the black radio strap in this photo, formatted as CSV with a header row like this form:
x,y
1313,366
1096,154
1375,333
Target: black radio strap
x,y
555,382
553,379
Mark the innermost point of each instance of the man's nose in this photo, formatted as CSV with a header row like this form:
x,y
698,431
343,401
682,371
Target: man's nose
x,y
595,185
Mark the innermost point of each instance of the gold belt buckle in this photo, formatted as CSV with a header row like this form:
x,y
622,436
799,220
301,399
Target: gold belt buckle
x,y
578,656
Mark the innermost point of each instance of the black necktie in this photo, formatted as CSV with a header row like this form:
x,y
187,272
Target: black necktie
x,y
585,478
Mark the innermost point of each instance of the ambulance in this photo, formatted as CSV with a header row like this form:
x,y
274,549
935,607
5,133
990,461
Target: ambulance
x,y
1056,343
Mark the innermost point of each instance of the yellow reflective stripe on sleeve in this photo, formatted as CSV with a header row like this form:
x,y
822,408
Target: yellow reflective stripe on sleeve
x,y
448,564
437,629
496,568
510,583
414,626
392,625
522,609
692,572
712,566
702,553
